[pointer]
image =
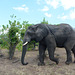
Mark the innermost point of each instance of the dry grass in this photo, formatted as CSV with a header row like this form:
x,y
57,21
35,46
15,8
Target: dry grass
x,y
10,67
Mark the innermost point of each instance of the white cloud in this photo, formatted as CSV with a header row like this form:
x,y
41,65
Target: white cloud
x,y
62,17
72,14
66,4
53,3
48,2
23,5
45,8
22,8
48,15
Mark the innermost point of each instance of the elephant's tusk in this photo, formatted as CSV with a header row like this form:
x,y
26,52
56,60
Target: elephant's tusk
x,y
25,43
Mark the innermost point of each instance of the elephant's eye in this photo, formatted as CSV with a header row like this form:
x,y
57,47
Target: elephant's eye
x,y
30,28
29,32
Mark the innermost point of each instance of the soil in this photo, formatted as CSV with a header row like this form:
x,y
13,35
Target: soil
x,y
14,66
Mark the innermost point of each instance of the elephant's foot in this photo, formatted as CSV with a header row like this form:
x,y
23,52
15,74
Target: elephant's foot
x,y
25,63
1,55
74,61
41,64
10,58
68,62
57,61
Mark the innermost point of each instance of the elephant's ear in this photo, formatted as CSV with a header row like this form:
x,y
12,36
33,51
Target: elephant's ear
x,y
41,32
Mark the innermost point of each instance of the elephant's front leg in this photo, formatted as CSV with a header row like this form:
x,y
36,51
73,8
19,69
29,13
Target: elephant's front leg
x,y
42,49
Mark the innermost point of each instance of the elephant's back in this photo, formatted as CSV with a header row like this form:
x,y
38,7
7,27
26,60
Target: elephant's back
x,y
61,33
61,29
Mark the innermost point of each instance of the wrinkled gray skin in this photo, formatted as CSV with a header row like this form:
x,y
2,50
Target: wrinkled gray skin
x,y
73,49
50,37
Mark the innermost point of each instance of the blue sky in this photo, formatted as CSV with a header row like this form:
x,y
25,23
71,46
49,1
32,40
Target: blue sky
x,y
54,11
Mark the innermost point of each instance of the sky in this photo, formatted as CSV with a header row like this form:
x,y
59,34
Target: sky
x,y
54,11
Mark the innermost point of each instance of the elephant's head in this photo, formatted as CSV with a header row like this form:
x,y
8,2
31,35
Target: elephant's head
x,y
35,32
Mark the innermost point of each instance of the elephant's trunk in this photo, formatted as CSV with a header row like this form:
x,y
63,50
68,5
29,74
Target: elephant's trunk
x,y
23,54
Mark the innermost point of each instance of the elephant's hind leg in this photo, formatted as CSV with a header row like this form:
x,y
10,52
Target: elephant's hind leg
x,y
51,45
51,55
73,50
68,46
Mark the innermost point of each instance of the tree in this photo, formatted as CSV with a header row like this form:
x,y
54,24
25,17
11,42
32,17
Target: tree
x,y
16,34
44,21
13,35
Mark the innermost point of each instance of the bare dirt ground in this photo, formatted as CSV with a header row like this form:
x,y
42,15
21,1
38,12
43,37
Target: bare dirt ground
x,y
14,67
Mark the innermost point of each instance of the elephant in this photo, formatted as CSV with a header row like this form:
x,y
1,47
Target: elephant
x,y
50,37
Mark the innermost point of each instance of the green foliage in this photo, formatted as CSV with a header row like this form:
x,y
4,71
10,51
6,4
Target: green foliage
x,y
23,28
4,41
25,25
31,45
19,46
44,21
14,30
15,33
4,37
12,34
4,28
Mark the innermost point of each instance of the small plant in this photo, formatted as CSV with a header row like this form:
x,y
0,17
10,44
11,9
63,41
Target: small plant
x,y
44,21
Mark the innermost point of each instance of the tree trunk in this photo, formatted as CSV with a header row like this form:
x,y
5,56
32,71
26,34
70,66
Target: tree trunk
x,y
12,50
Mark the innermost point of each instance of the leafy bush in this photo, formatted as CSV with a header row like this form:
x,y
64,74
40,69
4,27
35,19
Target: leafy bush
x,y
13,34
19,46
